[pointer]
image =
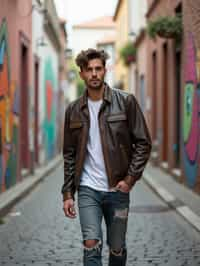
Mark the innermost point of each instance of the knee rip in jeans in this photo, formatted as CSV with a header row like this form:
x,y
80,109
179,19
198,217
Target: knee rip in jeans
x,y
96,246
121,213
117,253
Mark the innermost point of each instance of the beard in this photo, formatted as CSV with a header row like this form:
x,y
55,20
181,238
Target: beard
x,y
95,84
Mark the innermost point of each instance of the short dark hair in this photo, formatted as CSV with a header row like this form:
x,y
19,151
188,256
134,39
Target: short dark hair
x,y
85,56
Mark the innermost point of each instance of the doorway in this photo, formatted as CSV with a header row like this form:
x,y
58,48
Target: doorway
x,y
36,105
165,104
24,143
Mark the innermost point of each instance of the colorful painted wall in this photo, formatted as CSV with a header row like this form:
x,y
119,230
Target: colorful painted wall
x,y
18,43
191,112
50,105
9,114
48,89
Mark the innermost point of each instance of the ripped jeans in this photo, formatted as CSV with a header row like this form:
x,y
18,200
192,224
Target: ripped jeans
x,y
113,207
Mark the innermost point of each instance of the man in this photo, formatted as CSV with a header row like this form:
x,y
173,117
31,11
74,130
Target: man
x,y
106,146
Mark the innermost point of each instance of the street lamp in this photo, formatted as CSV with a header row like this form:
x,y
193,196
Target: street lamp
x,y
68,53
71,75
132,33
41,42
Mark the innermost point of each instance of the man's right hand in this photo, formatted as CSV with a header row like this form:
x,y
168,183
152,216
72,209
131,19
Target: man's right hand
x,y
68,208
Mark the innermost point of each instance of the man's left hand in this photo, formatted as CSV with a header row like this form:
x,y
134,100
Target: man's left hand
x,y
123,186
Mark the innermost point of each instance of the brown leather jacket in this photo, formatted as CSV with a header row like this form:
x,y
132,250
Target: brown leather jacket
x,y
126,143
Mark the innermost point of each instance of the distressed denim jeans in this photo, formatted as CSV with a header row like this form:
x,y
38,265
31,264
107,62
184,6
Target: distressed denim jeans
x,y
113,207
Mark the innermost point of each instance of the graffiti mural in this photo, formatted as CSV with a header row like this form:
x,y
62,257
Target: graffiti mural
x,y
191,115
9,111
49,126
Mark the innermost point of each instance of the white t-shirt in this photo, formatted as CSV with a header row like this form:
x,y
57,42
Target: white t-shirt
x,y
94,172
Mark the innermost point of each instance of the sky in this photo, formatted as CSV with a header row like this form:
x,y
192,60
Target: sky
x,y
76,11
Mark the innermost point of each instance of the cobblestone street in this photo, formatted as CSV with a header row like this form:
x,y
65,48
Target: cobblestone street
x,y
36,232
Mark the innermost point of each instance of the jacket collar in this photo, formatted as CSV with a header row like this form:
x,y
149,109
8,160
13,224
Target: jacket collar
x,y
107,96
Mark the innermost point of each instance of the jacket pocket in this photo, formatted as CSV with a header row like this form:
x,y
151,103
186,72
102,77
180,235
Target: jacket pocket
x,y
75,124
75,130
117,117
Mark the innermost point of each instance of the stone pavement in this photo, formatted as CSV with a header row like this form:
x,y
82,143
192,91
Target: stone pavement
x,y
14,194
36,232
176,195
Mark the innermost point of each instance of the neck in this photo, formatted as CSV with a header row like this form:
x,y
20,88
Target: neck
x,y
96,95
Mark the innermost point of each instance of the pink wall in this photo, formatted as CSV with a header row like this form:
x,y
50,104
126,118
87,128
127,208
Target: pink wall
x,y
15,29
19,21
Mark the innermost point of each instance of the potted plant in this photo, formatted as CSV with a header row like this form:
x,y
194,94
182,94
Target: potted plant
x,y
166,27
128,53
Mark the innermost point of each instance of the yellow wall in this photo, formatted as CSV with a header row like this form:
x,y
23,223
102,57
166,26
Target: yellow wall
x,y
122,37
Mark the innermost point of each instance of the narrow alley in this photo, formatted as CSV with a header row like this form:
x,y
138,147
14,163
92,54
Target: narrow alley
x,y
36,232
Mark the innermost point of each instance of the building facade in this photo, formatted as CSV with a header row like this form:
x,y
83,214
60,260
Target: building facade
x,y
108,44
173,86
140,74
46,50
121,18
137,23
91,32
190,96
30,100
63,83
16,84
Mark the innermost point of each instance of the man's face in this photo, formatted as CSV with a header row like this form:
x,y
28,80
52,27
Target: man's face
x,y
93,74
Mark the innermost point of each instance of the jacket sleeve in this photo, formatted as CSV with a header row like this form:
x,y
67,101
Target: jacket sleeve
x,y
68,188
141,141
